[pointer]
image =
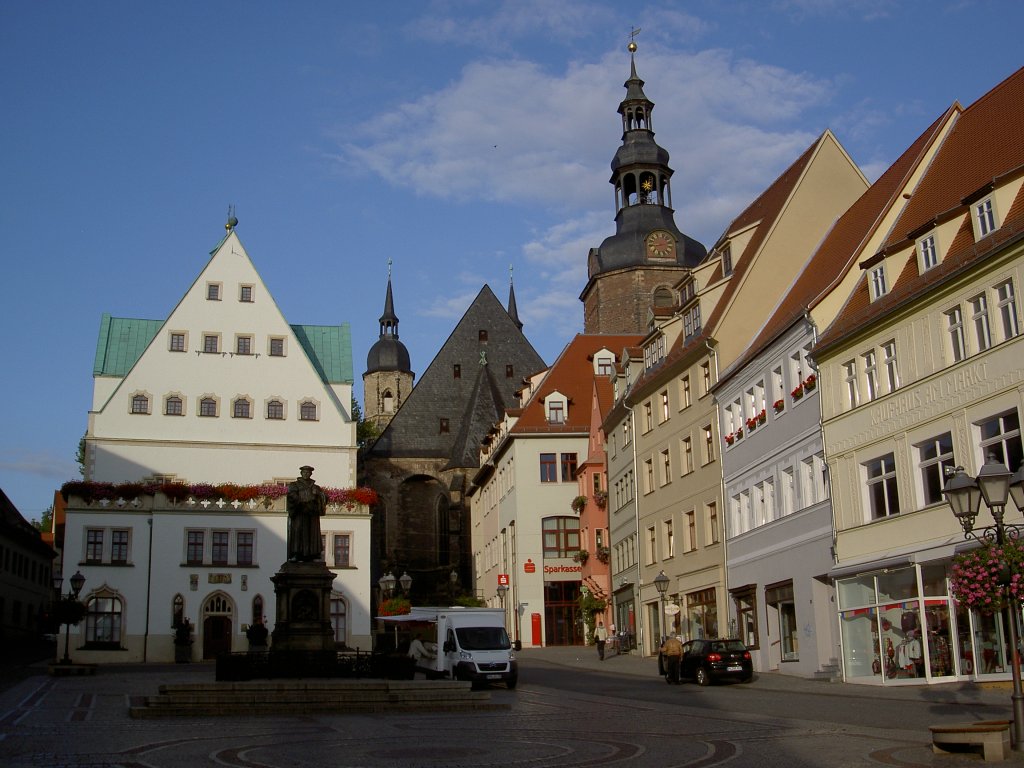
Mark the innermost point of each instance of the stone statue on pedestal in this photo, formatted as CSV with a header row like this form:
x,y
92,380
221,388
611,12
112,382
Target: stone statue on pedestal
x,y
307,503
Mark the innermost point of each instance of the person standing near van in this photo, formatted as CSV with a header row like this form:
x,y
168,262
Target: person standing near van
x,y
600,637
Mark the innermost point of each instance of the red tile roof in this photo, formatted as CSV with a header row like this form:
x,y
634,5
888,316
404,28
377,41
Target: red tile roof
x,y
572,374
985,146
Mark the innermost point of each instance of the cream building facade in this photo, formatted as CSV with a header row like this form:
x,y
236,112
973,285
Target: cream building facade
x,y
921,373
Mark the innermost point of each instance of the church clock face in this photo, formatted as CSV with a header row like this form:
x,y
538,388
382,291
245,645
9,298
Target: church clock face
x,y
661,245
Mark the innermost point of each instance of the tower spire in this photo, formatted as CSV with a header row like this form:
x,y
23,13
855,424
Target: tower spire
x,y
513,312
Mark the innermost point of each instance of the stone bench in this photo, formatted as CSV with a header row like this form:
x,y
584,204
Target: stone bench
x,y
993,736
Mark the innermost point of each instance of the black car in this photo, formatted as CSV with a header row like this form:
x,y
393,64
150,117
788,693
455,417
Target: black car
x,y
705,661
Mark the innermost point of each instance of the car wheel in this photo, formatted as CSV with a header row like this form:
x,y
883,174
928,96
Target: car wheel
x,y
703,678
510,683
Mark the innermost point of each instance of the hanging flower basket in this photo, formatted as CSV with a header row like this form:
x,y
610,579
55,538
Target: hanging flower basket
x,y
601,499
603,554
581,557
578,504
979,577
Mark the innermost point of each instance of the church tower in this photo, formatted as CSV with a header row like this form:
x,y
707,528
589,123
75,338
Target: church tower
x,y
388,379
635,268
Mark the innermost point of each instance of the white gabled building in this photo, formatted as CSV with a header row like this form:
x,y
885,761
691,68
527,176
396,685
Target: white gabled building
x,y
224,391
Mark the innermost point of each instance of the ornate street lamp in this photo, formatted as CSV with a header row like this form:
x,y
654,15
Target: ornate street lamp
x,y
661,584
387,584
994,484
405,582
502,591
70,608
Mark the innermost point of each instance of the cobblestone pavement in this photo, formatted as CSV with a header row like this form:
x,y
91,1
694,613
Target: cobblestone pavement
x,y
83,723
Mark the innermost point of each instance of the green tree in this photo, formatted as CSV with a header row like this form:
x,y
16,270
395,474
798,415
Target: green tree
x,y
45,524
366,431
80,456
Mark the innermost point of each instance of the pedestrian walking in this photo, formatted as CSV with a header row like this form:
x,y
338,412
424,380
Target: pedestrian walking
x,y
600,637
671,655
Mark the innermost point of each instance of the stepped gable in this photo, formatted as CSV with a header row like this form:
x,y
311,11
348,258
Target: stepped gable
x,y
486,337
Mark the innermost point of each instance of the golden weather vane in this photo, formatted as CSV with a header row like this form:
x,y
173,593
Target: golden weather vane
x,y
634,31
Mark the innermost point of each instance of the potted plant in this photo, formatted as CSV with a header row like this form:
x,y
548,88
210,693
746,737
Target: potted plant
x,y
578,504
762,417
810,382
752,423
601,498
981,578
730,438
739,433
797,392
581,557
604,554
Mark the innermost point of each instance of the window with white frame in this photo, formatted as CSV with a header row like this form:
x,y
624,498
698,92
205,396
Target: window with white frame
x,y
727,260
852,389
778,386
670,541
955,329
876,280
882,492
892,374
984,216
705,375
935,455
654,352
788,491
664,406
709,444
604,365
979,318
999,437
757,518
691,531
666,467
648,475
651,546
648,416
1007,308
556,411
870,374
927,252
684,392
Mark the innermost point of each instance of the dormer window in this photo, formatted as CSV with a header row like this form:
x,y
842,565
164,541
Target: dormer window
x,y
654,352
727,261
604,365
928,254
876,280
985,217
555,407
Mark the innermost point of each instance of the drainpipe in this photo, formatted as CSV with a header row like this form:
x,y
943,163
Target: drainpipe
x,y
641,634
149,591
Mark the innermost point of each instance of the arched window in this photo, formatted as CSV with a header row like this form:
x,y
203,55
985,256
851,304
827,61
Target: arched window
x,y
662,297
275,409
173,406
242,409
140,404
103,621
207,407
389,401
307,411
339,618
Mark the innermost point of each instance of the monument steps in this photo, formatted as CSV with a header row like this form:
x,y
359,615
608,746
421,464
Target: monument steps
x,y
309,696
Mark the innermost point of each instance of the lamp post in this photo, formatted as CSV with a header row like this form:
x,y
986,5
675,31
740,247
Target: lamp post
x,y
453,580
387,584
501,592
68,614
661,584
994,484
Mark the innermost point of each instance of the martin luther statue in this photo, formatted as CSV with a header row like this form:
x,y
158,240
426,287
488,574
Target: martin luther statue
x,y
307,503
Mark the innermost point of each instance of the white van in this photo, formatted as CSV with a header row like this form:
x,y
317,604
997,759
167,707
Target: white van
x,y
472,645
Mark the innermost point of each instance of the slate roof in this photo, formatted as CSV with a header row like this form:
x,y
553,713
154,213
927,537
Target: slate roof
x,y
843,244
472,403
572,374
985,145
123,340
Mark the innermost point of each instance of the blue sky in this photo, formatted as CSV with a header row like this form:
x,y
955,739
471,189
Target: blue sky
x,y
454,137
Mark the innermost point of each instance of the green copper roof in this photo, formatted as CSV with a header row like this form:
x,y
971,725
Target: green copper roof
x,y
122,341
329,348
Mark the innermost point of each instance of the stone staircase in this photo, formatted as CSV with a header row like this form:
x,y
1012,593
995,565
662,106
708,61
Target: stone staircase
x,y
296,697
830,671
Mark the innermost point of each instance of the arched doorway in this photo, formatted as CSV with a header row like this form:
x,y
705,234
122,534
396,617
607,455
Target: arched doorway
x,y
218,616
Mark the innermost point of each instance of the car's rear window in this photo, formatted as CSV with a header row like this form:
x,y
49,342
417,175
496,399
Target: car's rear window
x,y
728,645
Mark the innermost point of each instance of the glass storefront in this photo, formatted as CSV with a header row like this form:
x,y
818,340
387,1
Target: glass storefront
x,y
901,625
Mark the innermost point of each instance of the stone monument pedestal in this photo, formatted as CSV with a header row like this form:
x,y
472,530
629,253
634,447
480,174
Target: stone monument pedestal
x,y
303,624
